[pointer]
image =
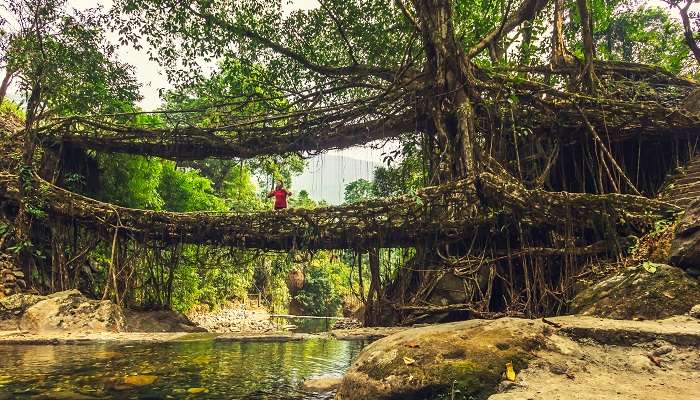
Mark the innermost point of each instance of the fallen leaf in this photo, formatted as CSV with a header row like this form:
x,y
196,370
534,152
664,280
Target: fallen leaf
x,y
412,344
408,361
510,372
197,390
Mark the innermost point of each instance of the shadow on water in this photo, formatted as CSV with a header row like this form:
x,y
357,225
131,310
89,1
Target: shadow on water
x,y
187,370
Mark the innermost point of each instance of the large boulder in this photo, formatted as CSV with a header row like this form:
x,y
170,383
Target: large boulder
x,y
70,311
469,356
645,291
159,321
685,247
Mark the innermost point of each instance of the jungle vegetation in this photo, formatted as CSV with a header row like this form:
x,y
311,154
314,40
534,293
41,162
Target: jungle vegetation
x,y
470,90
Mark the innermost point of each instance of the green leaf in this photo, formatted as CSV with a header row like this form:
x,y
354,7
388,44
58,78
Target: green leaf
x,y
651,267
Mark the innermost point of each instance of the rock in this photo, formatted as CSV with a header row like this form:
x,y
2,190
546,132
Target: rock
x,y
695,311
159,321
320,385
639,362
685,246
660,351
692,102
70,311
139,380
472,355
16,304
660,294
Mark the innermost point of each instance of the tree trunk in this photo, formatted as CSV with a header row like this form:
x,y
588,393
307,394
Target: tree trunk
x,y
688,30
588,45
372,312
448,99
6,83
559,54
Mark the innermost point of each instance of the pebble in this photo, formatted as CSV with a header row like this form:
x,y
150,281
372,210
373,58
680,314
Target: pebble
x,y
662,350
695,311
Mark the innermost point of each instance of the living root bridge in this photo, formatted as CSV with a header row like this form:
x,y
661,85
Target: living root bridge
x,y
194,143
657,112
444,213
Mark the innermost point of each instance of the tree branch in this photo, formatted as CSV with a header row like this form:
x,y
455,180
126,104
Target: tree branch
x,y
527,11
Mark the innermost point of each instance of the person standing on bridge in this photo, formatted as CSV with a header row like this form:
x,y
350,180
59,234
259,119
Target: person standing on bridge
x,y
280,194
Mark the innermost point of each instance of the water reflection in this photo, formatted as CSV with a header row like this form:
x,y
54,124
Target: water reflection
x,y
200,369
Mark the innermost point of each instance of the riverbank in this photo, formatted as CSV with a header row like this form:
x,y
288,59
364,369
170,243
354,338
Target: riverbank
x,y
17,337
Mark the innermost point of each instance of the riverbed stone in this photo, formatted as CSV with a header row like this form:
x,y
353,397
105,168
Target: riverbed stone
x,y
422,362
71,311
644,291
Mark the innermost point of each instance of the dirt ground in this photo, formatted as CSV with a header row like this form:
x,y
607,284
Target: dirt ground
x,y
611,359
593,371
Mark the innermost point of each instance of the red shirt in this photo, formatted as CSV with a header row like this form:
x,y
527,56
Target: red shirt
x,y
280,197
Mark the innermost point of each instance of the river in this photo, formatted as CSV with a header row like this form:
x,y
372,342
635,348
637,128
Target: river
x,y
203,369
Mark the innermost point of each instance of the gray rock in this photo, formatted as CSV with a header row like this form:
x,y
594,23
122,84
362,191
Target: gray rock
x,y
695,311
70,311
685,247
662,350
666,292
426,362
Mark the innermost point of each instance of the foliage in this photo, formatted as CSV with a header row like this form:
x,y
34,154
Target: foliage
x,y
131,181
325,286
358,190
9,107
187,191
628,31
62,57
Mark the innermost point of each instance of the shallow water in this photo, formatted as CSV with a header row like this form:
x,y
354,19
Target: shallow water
x,y
223,370
304,324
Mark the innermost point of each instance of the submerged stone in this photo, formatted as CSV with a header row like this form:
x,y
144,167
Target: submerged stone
x,y
320,385
139,380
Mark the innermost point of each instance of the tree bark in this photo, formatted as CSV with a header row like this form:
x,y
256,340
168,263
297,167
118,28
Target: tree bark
x,y
559,55
448,100
6,83
372,312
588,44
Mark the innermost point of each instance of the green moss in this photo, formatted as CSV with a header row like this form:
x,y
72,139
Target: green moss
x,y
478,380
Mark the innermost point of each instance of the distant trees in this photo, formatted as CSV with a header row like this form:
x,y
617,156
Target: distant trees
x,y
358,190
60,60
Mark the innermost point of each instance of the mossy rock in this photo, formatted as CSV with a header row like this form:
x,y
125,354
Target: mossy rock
x,y
15,305
645,291
424,363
